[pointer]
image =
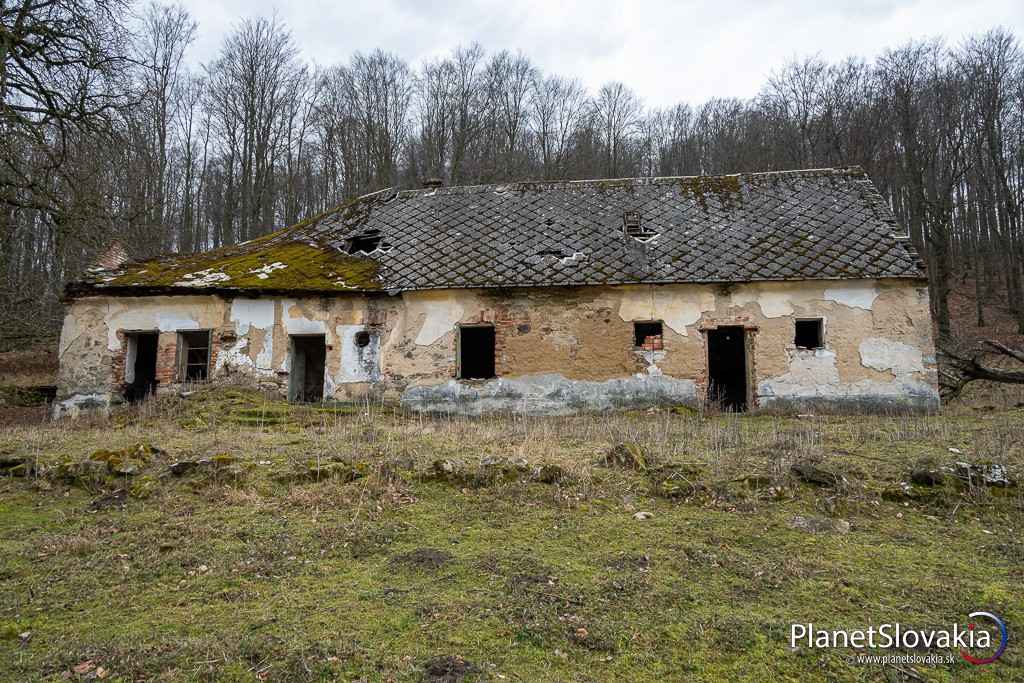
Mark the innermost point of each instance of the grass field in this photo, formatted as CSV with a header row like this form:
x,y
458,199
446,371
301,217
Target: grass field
x,y
359,544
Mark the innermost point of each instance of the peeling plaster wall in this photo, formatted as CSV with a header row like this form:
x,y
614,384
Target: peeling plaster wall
x,y
878,346
557,349
250,338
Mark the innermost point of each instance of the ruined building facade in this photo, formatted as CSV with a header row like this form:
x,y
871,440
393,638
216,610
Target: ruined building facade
x,y
790,289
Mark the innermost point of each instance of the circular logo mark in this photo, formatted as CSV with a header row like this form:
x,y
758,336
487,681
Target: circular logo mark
x,y
1003,638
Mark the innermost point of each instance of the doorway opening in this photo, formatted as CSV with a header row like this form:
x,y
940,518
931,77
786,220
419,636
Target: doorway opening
x,y
476,352
140,365
308,358
727,368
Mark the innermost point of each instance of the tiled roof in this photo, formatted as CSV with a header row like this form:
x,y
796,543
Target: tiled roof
x,y
793,225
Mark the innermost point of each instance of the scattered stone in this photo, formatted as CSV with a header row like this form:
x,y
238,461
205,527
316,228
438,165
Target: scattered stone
x,y
430,559
815,525
984,474
447,669
677,480
127,461
182,467
114,499
643,515
907,493
87,472
491,470
927,477
443,469
628,456
550,474
17,466
812,474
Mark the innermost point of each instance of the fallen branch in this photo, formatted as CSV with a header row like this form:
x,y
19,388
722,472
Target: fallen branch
x,y
959,368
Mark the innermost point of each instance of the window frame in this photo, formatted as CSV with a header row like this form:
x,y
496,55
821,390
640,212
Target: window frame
x,y
459,372
183,347
820,321
657,346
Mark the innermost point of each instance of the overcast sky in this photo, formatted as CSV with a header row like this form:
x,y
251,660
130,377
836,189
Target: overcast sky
x,y
668,52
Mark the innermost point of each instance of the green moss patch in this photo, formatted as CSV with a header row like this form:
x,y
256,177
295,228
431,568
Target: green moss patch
x,y
262,265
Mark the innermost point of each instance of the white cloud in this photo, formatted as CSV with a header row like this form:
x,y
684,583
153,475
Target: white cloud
x,y
668,51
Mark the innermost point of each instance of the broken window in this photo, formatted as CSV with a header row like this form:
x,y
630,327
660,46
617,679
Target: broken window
x,y
647,336
140,365
809,334
194,355
476,352
634,227
367,242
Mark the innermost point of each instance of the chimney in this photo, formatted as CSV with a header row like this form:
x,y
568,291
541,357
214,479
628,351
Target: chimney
x,y
114,257
433,183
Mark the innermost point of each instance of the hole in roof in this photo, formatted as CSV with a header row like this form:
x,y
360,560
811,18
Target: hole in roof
x,y
557,253
633,226
368,242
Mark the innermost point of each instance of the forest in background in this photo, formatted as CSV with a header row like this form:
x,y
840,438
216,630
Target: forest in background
x,y
107,133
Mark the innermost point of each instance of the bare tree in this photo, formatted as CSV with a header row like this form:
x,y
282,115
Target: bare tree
x,y
617,112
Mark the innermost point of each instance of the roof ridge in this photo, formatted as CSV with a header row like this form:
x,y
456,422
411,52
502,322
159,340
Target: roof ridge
x,y
520,185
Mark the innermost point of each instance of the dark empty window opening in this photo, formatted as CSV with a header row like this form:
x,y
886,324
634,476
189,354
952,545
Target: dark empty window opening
x,y
306,369
194,355
140,365
727,368
476,352
809,334
367,242
647,336
634,227
362,339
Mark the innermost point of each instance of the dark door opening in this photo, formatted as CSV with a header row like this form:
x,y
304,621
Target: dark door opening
x,y
140,366
476,352
306,379
727,368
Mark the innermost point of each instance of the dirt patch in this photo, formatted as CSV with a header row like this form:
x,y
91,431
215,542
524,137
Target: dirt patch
x,y
447,669
627,456
22,415
624,562
424,559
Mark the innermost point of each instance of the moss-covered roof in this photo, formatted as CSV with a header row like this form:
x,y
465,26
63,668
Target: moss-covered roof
x,y
794,225
293,259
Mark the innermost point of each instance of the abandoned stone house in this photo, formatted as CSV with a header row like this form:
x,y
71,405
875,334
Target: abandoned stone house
x,y
786,289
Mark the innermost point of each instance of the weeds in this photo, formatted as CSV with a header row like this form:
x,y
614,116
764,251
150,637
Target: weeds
x,y
362,543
